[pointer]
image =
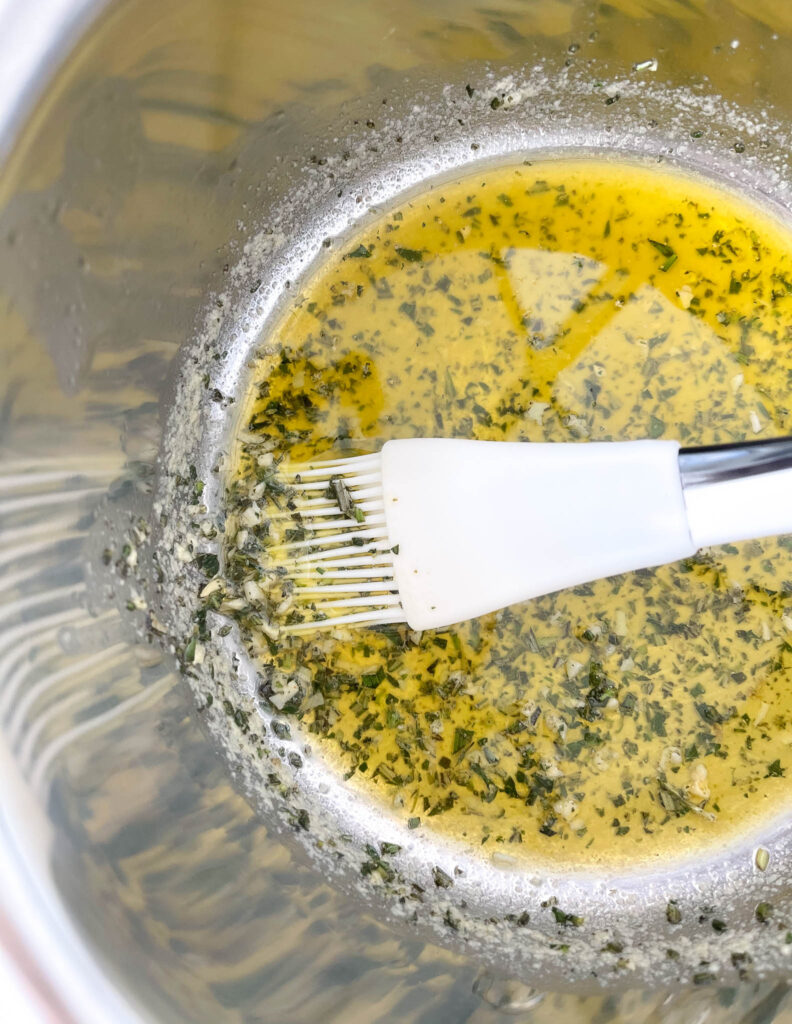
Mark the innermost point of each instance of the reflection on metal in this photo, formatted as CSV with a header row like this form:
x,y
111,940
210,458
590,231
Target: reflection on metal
x,y
169,143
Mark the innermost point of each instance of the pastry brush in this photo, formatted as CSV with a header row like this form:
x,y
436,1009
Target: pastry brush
x,y
432,531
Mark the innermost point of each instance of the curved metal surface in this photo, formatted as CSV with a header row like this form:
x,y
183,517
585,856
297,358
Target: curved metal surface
x,y
39,38
167,162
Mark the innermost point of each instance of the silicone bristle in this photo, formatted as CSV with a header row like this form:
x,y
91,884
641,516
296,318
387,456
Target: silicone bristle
x,y
341,562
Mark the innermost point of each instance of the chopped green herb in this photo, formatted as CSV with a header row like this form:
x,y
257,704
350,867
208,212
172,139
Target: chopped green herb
x,y
342,495
567,919
410,255
208,563
373,679
662,247
441,879
462,739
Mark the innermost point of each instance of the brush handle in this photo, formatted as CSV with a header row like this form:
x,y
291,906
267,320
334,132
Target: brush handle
x,y
478,525
739,491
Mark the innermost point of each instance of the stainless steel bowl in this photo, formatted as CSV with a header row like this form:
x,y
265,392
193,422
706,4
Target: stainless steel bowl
x,y
170,171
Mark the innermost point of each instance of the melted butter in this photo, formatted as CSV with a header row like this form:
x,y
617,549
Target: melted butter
x,y
636,718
